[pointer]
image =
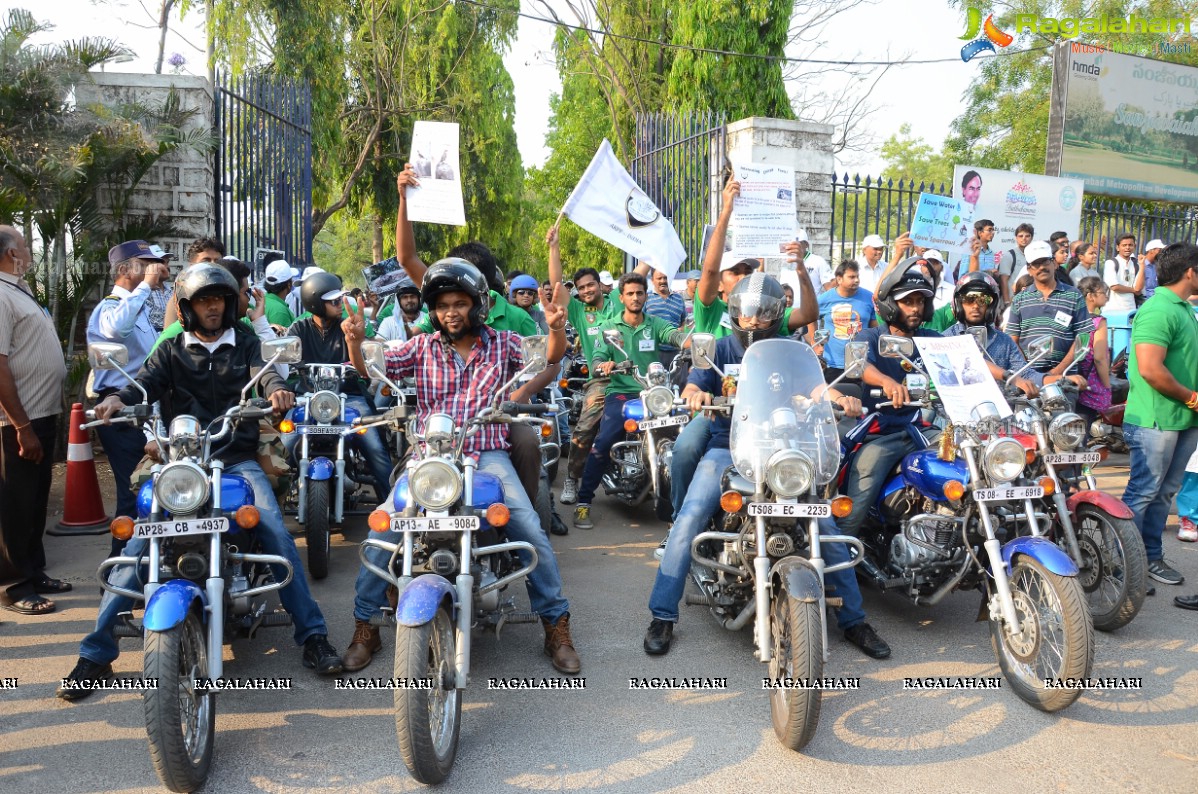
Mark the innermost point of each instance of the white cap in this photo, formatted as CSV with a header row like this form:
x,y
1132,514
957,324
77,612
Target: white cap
x,y
279,271
873,241
1037,249
730,260
1152,245
158,251
605,278
312,270
801,236
932,253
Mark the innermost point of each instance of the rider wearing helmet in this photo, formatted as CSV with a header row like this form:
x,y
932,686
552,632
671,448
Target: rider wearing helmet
x,y
524,292
201,373
459,368
401,326
755,308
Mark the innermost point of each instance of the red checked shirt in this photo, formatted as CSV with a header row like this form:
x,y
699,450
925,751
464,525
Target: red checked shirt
x,y
445,386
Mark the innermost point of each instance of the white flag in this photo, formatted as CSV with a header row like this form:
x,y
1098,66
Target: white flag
x,y
608,204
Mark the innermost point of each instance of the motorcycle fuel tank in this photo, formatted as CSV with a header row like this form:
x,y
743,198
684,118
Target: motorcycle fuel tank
x,y
487,491
927,473
235,491
635,410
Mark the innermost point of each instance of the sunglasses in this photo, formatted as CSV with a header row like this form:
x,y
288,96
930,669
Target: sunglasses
x,y
335,301
979,298
1037,265
525,292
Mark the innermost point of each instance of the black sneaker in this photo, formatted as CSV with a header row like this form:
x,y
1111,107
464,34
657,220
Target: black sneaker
x,y
321,656
658,637
864,637
1163,573
81,681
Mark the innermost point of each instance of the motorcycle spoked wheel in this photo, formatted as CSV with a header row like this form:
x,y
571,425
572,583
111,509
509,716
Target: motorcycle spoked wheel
x,y
1114,567
797,654
316,528
1056,640
180,720
427,721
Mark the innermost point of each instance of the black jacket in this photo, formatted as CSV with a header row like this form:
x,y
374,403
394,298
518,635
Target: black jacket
x,y
324,347
188,380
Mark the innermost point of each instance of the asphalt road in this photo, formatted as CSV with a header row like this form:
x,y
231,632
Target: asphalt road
x,y
607,737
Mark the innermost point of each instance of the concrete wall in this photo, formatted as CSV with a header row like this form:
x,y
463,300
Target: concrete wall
x,y
179,187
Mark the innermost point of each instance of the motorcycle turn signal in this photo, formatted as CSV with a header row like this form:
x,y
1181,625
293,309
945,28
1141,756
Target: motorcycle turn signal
x,y
731,502
379,521
121,527
498,515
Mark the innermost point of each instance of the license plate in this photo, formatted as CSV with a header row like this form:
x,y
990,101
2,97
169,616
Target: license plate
x,y
171,529
664,421
1064,458
1004,494
786,510
437,524
320,430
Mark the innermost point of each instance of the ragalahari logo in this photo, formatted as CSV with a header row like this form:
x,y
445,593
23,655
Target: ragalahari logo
x,y
979,44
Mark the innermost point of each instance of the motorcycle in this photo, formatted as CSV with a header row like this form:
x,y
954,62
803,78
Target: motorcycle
x,y
767,565
641,462
453,564
330,474
936,529
202,575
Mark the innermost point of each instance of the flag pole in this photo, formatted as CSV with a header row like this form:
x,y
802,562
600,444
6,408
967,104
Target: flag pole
x,y
558,222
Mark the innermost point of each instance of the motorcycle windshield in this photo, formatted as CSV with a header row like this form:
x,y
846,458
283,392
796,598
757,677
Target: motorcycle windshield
x,y
781,405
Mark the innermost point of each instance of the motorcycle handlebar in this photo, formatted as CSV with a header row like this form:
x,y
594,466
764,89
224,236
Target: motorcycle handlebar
x,y
515,409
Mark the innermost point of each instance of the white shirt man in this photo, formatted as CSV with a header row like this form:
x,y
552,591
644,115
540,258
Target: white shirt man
x,y
944,291
870,264
818,269
1120,275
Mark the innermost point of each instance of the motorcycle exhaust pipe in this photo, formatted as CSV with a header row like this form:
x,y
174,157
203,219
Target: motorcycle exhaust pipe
x,y
946,588
737,623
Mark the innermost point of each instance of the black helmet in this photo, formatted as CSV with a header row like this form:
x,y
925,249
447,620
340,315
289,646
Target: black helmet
x,y
314,288
904,278
761,296
205,279
977,282
456,275
407,286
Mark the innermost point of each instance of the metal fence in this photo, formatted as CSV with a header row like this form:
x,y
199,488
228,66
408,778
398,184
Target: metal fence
x,y
1104,220
264,167
678,163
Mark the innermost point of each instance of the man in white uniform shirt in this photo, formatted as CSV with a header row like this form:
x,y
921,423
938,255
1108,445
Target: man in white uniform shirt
x,y
870,264
822,274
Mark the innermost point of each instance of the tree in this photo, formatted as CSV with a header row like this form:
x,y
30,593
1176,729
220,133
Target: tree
x,y
914,160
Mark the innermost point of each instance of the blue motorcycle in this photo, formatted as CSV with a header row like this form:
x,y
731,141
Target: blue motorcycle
x,y
202,577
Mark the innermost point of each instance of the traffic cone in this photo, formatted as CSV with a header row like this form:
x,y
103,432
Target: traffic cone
x,y
83,508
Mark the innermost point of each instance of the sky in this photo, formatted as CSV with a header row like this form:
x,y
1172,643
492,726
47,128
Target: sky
x,y
926,96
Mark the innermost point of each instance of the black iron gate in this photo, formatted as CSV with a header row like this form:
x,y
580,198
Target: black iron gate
x,y
264,168
679,161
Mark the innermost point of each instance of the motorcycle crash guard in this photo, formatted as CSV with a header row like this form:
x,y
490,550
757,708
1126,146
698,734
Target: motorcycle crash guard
x,y
1043,551
1103,501
170,603
320,469
797,579
419,601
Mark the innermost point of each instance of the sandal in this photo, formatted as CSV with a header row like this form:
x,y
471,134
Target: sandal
x,y
30,605
50,586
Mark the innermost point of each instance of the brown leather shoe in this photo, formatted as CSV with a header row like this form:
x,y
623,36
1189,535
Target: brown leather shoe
x,y
559,647
365,644
393,596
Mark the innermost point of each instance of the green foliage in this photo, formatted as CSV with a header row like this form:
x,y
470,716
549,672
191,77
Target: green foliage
x,y
913,159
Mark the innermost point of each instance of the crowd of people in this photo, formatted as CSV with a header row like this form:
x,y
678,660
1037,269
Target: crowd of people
x,y
455,327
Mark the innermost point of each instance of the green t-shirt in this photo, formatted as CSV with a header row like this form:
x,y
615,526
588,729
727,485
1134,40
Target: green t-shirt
x,y
589,322
503,317
1168,321
641,343
942,319
714,319
277,311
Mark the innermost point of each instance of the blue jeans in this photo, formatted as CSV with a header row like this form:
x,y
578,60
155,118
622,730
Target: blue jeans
x,y
544,583
702,501
101,646
870,470
1158,463
688,451
378,459
611,430
125,446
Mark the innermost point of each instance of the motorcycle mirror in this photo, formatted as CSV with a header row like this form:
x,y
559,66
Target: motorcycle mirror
x,y
821,336
1039,347
107,355
981,336
536,353
986,417
703,350
890,346
372,351
855,355
289,350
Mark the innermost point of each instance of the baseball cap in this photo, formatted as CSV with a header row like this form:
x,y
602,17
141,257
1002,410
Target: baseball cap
x,y
279,271
801,236
605,278
873,241
911,283
932,253
1037,249
312,270
1153,245
133,249
728,262
160,252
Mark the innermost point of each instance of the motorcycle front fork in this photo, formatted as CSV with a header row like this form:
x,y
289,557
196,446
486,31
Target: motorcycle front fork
x,y
1002,585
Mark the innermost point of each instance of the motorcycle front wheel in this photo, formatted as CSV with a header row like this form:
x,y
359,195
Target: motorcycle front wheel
x,y
797,658
180,720
316,528
1056,638
427,720
1113,568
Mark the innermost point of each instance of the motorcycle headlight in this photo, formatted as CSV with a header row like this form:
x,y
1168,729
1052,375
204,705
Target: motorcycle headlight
x,y
324,407
181,488
435,484
659,401
1004,460
1067,431
789,473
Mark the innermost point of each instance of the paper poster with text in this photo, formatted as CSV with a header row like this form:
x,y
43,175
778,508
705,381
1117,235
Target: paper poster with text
x,y
941,222
438,199
960,375
763,216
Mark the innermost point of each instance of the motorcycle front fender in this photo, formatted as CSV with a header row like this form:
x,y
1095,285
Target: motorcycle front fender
x,y
420,600
170,603
1043,551
1103,501
320,469
798,579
